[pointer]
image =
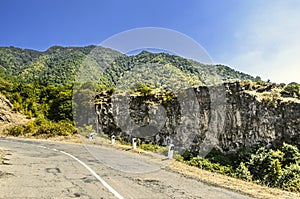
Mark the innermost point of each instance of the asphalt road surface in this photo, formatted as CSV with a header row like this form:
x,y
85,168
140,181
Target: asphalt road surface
x,y
40,169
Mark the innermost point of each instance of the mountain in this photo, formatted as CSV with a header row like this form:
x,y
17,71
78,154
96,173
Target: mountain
x,y
66,65
57,65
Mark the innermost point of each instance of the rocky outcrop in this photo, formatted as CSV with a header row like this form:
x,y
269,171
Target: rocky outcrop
x,y
8,117
5,110
228,117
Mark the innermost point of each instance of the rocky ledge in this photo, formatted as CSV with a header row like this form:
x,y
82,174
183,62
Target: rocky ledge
x,y
228,117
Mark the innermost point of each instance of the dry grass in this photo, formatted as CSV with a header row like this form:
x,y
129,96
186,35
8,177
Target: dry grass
x,y
72,139
240,186
273,94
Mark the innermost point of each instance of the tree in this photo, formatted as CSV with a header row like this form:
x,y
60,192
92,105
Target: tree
x,y
257,79
293,89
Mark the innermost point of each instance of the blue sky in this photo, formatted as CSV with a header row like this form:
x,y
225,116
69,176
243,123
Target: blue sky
x,y
260,37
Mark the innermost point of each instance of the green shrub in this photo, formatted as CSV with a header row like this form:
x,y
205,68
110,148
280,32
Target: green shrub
x,y
273,173
16,130
150,147
274,168
169,97
51,129
199,162
291,154
29,127
205,164
188,155
44,127
216,156
260,162
40,121
289,179
178,157
144,90
243,173
293,89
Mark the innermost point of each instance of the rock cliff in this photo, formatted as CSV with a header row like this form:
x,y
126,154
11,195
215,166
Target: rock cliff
x,y
228,117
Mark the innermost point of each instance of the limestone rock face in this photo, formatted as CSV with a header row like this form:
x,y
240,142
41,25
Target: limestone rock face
x,y
227,117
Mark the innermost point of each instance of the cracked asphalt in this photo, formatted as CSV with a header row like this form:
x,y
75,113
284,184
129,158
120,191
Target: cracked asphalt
x,y
36,172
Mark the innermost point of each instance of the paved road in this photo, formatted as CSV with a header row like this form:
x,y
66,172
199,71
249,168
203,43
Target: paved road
x,y
39,169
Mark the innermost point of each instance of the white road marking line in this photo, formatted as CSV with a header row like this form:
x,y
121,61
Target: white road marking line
x,y
112,190
40,146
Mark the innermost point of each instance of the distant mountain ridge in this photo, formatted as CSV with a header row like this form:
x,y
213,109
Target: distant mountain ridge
x,y
66,65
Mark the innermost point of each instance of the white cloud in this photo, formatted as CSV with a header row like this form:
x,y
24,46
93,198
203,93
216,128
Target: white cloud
x,y
268,41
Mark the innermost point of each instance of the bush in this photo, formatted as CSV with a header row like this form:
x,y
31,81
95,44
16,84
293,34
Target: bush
x,y
144,90
44,127
205,164
291,154
188,155
16,130
260,162
169,97
274,168
150,147
243,173
51,129
273,173
293,89
289,179
216,156
178,157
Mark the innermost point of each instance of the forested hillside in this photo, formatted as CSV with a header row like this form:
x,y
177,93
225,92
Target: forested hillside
x,y
59,65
